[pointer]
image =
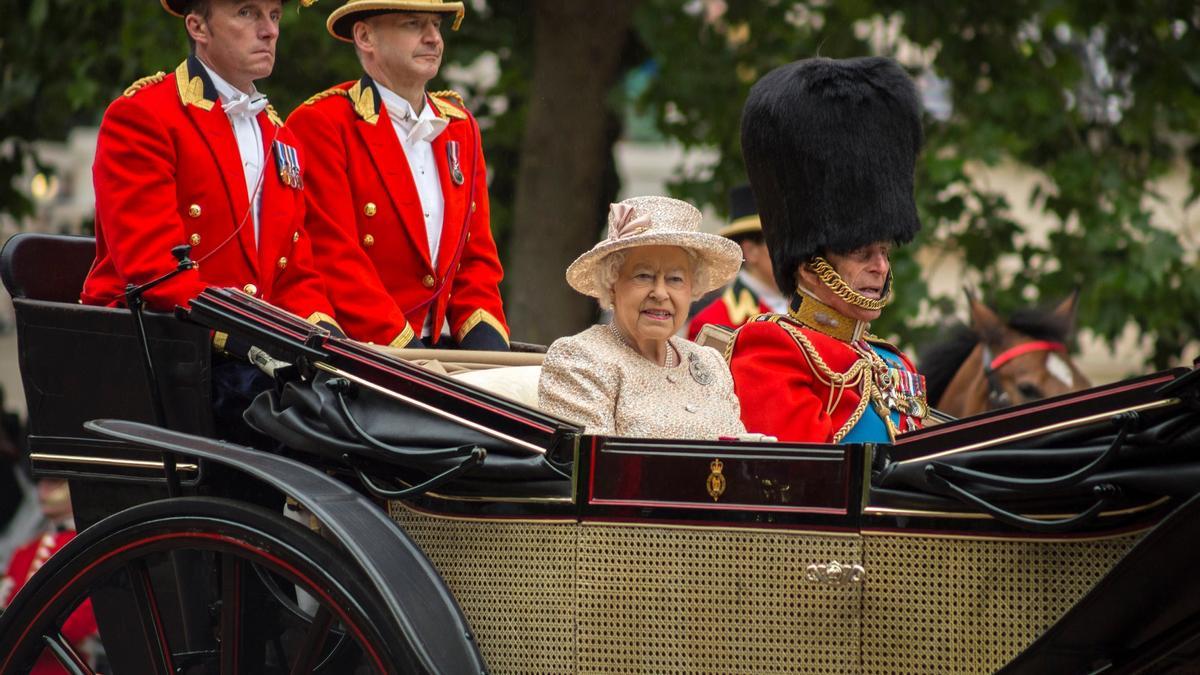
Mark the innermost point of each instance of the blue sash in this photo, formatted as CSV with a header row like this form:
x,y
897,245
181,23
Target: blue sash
x,y
870,427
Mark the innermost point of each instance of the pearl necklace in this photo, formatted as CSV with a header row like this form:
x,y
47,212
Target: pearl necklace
x,y
668,362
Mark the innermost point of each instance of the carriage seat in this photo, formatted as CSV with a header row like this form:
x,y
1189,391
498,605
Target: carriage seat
x,y
516,383
80,362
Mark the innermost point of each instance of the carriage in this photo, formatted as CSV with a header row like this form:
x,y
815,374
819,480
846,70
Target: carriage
x,y
408,520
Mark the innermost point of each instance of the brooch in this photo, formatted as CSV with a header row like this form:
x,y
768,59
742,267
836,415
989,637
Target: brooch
x,y
699,372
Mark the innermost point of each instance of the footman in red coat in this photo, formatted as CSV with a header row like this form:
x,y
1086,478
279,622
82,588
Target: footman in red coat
x,y
830,147
398,203
198,157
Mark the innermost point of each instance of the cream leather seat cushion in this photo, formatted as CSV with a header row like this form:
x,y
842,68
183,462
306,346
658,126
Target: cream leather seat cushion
x,y
517,383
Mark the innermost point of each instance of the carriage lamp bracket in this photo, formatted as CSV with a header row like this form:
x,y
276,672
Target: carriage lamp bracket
x,y
135,301
1126,422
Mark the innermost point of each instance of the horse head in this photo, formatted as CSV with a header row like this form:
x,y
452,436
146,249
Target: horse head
x,y
999,363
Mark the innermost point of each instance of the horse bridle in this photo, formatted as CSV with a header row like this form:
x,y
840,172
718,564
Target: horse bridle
x,y
997,397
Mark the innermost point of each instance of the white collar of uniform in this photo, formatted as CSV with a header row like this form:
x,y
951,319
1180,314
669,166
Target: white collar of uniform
x,y
423,127
766,295
233,100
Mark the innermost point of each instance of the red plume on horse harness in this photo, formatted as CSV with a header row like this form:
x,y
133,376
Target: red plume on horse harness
x,y
996,394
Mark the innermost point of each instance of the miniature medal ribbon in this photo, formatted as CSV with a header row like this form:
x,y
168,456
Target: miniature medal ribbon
x,y
456,173
623,222
288,163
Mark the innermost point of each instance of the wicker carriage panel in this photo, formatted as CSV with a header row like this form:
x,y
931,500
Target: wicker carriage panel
x,y
657,599
514,581
938,605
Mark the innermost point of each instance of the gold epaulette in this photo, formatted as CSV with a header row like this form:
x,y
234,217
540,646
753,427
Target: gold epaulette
x,y
273,116
144,82
446,107
332,91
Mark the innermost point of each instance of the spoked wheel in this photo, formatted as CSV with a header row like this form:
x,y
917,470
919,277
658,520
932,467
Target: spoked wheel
x,y
202,585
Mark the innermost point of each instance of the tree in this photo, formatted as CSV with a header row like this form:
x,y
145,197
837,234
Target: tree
x,y
1102,98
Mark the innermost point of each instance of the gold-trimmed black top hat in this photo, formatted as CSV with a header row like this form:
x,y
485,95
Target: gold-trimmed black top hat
x,y
341,22
743,215
176,7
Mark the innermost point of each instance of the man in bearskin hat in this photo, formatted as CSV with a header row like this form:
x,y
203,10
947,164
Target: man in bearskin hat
x,y
398,206
753,290
830,147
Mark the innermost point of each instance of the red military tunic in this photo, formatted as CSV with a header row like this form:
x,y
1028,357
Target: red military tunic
x,y
369,235
25,562
168,172
800,384
737,305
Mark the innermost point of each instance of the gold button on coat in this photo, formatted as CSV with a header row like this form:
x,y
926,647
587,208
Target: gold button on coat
x,y
368,240
282,263
472,207
250,289
428,281
295,237
194,240
194,210
369,209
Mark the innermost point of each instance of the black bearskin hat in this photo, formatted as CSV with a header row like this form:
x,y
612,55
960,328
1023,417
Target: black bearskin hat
x,y
830,147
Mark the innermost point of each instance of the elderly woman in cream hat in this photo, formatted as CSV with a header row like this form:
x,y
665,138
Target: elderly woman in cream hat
x,y
633,376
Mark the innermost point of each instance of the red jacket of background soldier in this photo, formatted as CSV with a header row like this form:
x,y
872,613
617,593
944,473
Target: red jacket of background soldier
x,y
168,172
25,562
737,305
369,235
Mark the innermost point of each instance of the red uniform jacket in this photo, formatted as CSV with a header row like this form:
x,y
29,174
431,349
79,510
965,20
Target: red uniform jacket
x,y
736,306
25,562
368,230
786,377
168,172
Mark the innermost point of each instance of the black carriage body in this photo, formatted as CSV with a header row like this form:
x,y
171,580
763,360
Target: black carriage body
x,y
958,549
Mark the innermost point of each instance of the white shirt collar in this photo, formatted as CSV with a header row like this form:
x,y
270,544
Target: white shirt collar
x,y
425,126
232,98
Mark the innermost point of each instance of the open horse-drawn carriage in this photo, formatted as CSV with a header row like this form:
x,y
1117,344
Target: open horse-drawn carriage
x,y
449,529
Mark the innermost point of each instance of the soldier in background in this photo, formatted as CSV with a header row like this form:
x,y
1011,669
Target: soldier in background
x,y
80,629
753,291
398,204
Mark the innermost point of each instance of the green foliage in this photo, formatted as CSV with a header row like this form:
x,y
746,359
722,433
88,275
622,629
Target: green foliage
x,y
1102,98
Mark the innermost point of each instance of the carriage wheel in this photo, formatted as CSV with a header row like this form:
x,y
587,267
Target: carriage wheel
x,y
202,585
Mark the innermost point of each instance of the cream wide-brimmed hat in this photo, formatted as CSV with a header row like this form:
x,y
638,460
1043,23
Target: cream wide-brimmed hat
x,y
341,21
658,221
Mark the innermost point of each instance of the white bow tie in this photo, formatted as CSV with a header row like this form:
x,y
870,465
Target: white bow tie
x,y
423,129
245,106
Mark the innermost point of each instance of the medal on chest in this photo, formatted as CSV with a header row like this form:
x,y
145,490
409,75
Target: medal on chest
x,y
896,388
456,173
287,160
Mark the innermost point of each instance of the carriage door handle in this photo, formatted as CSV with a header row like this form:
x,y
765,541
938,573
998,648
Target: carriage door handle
x,y
835,574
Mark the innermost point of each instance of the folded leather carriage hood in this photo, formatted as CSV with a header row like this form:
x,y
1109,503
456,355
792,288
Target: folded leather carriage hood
x,y
307,416
1128,459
